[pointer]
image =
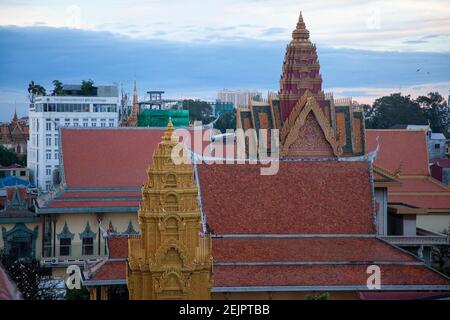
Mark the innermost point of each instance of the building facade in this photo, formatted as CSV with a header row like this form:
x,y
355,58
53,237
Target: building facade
x,y
238,97
50,113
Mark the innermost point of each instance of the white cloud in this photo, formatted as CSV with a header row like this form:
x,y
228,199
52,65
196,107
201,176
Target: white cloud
x,y
375,25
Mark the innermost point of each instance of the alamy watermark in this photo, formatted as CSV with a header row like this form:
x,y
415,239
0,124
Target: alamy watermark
x,y
238,146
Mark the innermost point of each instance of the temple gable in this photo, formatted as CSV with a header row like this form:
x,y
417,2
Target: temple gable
x,y
307,132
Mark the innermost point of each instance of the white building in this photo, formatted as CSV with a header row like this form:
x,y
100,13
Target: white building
x,y
237,97
48,113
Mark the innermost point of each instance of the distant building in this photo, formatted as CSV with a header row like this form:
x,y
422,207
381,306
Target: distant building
x,y
48,113
437,143
154,112
14,135
238,97
14,170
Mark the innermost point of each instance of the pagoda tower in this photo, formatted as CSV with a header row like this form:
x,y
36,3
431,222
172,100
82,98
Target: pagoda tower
x,y
133,119
172,257
301,71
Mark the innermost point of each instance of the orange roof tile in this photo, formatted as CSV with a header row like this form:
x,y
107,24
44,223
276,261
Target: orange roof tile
x,y
403,150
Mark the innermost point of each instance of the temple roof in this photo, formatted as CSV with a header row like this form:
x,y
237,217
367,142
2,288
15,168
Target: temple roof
x,y
405,153
308,197
104,176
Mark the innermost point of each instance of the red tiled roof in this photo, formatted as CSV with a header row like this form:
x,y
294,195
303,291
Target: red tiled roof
x,y
118,246
322,275
107,157
326,197
405,150
431,202
93,203
101,194
111,270
425,184
305,249
401,295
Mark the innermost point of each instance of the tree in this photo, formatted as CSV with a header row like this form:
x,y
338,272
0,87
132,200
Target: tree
x,y
436,111
87,88
35,90
198,110
57,88
8,157
393,110
226,121
29,277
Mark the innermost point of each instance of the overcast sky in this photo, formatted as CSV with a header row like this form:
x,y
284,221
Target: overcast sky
x,y
193,48
376,25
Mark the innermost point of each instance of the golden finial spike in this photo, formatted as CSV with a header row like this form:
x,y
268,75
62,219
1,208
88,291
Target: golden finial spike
x,y
169,130
300,32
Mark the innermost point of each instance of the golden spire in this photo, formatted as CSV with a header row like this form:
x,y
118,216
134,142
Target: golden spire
x,y
169,130
133,119
300,32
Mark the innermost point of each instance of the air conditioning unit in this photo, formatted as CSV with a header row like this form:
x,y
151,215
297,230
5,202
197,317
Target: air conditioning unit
x,y
54,261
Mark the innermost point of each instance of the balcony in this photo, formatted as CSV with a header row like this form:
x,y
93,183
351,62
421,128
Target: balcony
x,y
423,237
76,253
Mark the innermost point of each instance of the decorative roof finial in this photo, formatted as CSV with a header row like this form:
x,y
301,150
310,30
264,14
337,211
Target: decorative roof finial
x,y
300,32
168,134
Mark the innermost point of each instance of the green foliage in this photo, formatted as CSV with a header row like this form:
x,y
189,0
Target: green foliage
x,y
29,276
436,111
35,90
57,88
396,109
392,110
226,121
87,88
8,157
198,110
320,296
78,294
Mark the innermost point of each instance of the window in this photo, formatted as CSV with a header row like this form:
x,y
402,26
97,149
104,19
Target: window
x,y
48,126
48,141
94,124
88,246
437,146
23,173
64,246
56,155
85,124
48,155
48,185
48,170
56,140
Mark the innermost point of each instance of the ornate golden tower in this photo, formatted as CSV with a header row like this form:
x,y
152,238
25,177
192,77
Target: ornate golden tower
x,y
172,257
133,119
